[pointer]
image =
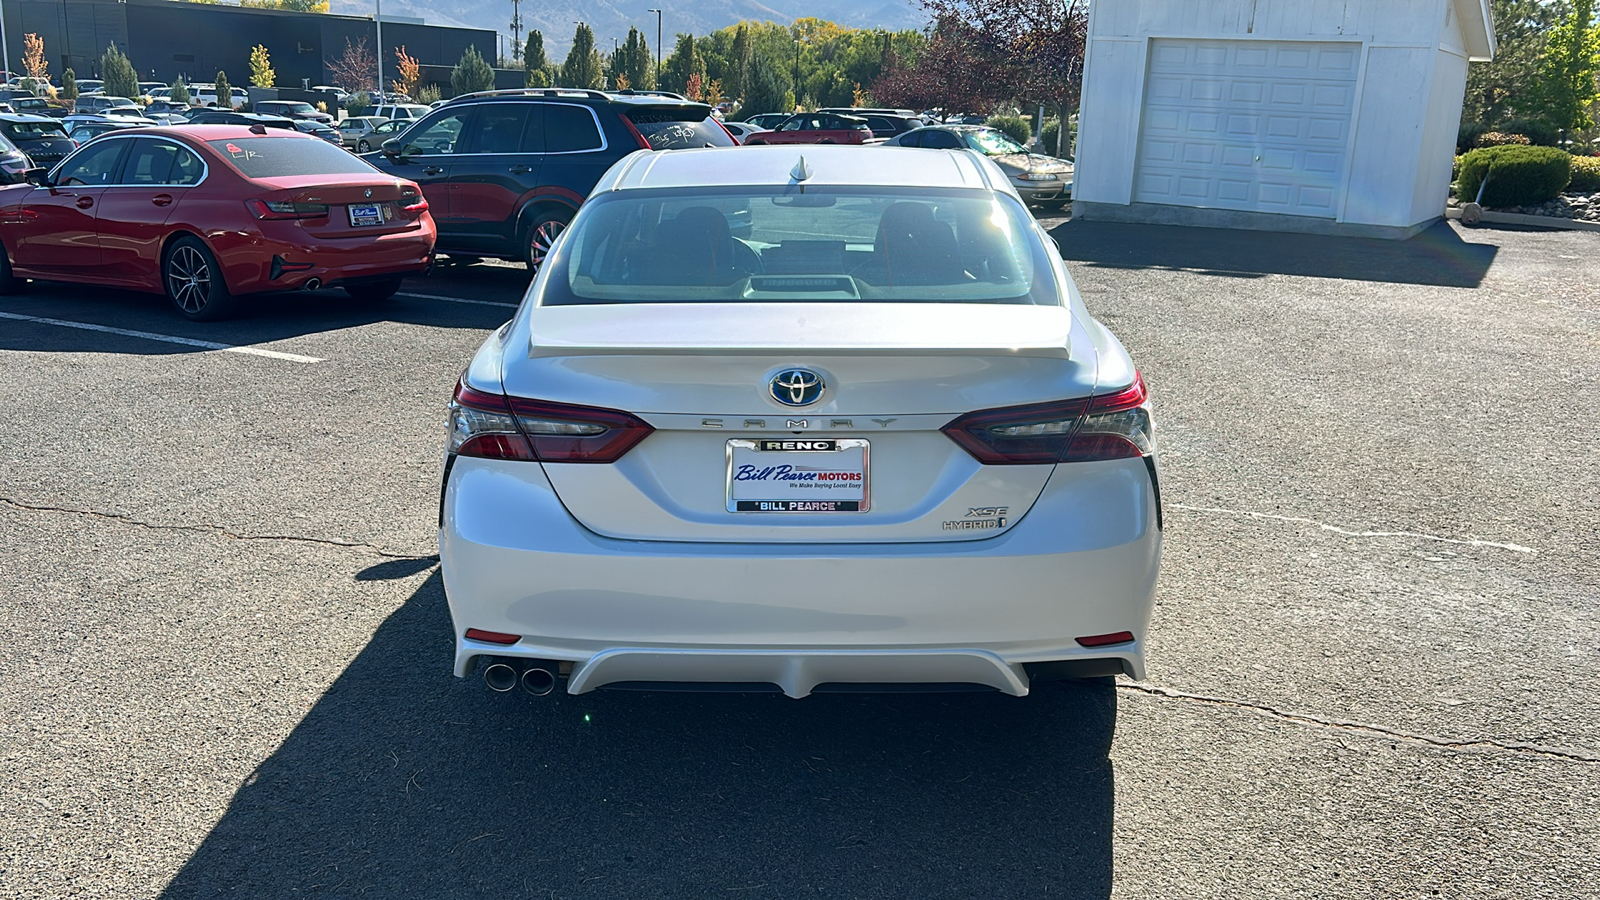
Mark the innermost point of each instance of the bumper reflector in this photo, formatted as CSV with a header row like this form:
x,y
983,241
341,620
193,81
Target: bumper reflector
x,y
1096,640
496,637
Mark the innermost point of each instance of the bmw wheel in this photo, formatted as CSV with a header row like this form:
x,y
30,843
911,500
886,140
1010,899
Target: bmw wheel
x,y
9,283
193,281
542,236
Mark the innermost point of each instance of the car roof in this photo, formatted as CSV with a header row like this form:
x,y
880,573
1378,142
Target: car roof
x,y
657,99
773,166
27,117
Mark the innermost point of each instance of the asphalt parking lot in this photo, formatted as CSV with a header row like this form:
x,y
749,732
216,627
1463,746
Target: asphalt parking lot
x,y
226,658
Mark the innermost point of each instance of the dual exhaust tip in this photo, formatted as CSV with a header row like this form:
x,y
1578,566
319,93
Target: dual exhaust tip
x,y
538,679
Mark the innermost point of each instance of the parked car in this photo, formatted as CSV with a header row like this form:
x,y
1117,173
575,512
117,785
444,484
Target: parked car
x,y
90,86
509,169
1037,178
14,164
206,95
44,140
766,120
885,123
223,117
741,131
817,128
400,111
352,129
87,130
147,88
291,109
946,422
99,103
208,214
160,93
167,108
318,129
374,139
38,106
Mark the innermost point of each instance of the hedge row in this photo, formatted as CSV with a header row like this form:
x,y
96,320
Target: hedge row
x,y
1585,174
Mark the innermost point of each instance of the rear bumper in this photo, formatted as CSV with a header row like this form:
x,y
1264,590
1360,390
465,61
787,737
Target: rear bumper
x,y
286,265
796,615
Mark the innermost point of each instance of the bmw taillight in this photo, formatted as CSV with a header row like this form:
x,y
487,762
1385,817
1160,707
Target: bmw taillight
x,y
413,202
284,209
494,426
1112,426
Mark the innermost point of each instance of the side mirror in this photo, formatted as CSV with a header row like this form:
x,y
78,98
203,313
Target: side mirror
x,y
38,175
392,149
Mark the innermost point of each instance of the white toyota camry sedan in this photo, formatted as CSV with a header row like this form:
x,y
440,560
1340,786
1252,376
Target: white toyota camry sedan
x,y
800,419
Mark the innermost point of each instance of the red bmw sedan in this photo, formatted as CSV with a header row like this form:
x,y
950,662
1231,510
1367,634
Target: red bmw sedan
x,y
210,213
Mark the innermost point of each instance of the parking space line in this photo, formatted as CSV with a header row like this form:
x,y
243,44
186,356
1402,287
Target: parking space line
x,y
458,300
164,338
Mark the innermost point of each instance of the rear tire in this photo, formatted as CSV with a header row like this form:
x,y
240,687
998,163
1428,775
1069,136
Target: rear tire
x,y
373,292
193,282
9,283
542,236
363,147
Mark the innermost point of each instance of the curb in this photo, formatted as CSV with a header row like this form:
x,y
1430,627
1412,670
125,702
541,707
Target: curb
x,y
1551,222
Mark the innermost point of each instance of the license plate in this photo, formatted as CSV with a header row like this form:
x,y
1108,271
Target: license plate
x,y
367,214
788,475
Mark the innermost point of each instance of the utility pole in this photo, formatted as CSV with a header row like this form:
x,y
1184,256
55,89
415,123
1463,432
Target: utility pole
x,y
658,46
516,30
378,20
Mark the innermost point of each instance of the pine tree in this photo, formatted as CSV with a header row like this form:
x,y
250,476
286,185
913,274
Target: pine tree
x,y
224,90
69,85
582,68
261,74
738,62
471,74
118,75
684,62
767,89
535,65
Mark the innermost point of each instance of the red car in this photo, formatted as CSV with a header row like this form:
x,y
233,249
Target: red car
x,y
817,128
209,213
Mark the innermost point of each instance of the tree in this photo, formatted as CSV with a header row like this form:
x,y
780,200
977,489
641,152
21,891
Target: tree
x,y
118,75
33,58
356,69
471,74
224,90
582,68
309,6
1571,62
261,74
535,64
180,91
407,71
1506,87
738,66
684,63
767,89
633,62
69,85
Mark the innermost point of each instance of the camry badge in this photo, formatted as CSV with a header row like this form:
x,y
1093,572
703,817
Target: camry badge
x,y
796,387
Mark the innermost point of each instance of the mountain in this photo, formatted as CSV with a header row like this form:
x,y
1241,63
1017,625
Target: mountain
x,y
610,19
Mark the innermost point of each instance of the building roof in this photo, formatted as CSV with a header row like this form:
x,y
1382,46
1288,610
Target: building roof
x,y
1477,28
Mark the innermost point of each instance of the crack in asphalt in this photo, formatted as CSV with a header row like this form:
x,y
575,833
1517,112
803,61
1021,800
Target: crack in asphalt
x,y
1362,728
1299,520
213,529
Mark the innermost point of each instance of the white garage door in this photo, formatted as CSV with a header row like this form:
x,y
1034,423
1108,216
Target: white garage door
x,y
1248,125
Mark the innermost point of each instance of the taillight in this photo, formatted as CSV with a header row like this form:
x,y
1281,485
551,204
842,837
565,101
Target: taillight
x,y
1114,426
284,209
493,426
413,203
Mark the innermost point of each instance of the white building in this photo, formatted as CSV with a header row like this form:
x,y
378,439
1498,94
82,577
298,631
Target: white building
x,y
1334,116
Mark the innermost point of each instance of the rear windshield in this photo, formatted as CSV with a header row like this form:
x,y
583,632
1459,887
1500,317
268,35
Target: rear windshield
x,y
293,107
34,129
828,245
268,157
669,129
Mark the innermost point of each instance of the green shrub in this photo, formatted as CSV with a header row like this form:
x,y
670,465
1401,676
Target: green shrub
x,y
1502,139
1585,174
1539,132
1517,175
428,93
1016,127
359,103
1455,169
1047,138
1467,136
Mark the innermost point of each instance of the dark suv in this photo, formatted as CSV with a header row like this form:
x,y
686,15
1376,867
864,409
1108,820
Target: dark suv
x,y
504,171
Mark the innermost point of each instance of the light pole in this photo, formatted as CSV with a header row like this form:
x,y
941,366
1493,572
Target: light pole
x,y
378,20
4,47
658,45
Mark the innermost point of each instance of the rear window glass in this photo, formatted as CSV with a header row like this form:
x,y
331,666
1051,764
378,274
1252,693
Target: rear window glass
x,y
266,157
666,129
778,245
570,129
34,129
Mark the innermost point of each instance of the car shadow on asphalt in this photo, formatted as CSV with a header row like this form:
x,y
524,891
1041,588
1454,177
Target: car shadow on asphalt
x,y
486,295
1437,256
403,781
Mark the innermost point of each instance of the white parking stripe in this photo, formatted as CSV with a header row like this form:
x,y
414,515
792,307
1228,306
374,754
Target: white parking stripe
x,y
165,338
458,300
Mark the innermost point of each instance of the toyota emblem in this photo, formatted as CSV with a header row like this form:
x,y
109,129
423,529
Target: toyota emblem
x,y
797,387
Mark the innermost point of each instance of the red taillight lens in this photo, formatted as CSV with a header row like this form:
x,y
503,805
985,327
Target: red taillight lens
x,y
283,209
413,203
1113,426
493,426
492,637
1106,640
